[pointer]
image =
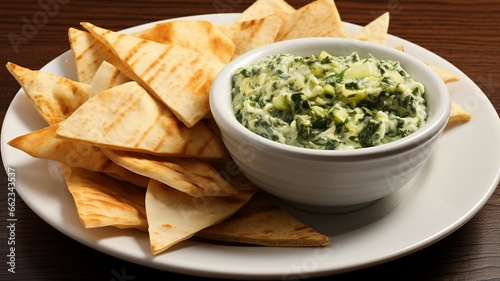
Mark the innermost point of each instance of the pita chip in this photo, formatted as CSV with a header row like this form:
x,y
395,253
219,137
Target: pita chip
x,y
375,31
104,201
263,222
445,75
54,97
43,144
319,18
264,8
177,76
126,117
192,176
107,76
198,35
88,54
175,216
262,31
458,114
203,37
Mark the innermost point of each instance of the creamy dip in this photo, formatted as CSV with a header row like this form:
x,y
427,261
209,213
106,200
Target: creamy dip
x,y
328,102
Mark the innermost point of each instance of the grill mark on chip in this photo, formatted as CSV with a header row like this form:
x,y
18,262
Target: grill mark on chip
x,y
113,78
133,51
148,130
171,128
206,143
121,112
195,83
90,48
155,63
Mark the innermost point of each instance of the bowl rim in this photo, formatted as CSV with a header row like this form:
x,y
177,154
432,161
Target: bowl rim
x,y
429,131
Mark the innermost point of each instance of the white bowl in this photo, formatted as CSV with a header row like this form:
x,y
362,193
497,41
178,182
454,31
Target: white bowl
x,y
330,180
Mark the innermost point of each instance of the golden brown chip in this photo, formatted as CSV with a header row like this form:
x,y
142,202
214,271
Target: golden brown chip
x,y
319,18
107,76
375,31
88,54
262,31
43,144
177,76
264,8
192,176
126,117
263,222
458,114
445,75
228,29
175,216
54,97
198,35
104,201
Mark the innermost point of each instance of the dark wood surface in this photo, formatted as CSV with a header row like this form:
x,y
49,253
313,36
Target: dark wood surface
x,y
466,33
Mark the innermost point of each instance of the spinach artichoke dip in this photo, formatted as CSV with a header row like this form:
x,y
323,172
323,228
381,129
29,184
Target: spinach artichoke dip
x,y
328,102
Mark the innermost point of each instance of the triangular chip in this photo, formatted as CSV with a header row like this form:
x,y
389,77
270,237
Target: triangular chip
x,y
228,29
263,222
375,31
189,175
54,97
262,31
126,117
176,76
104,201
107,76
213,45
458,114
198,35
264,8
88,54
175,216
43,144
319,18
445,75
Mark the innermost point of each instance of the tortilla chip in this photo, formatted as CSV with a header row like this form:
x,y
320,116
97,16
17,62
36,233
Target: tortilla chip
x,y
445,75
189,175
375,31
458,114
54,97
319,18
106,77
43,144
103,201
263,222
264,8
262,31
126,117
179,77
175,216
201,36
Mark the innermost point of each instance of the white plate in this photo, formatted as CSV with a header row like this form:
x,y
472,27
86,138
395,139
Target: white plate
x,y
455,184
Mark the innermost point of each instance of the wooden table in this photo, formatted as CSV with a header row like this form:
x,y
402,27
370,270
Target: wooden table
x,y
466,33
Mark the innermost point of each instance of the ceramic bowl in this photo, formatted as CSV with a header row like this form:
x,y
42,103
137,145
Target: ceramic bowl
x,y
330,180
